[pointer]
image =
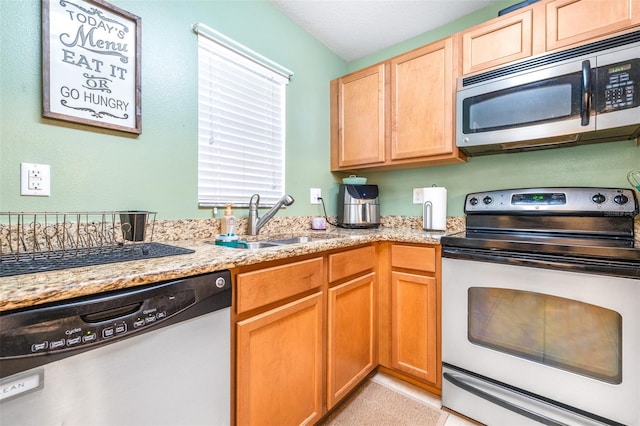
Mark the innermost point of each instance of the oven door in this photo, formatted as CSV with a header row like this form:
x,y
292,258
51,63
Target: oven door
x,y
545,106
569,340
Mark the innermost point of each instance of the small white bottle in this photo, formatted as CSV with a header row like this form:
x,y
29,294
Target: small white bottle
x,y
228,222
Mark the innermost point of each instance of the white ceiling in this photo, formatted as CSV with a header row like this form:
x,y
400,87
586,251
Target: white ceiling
x,y
356,28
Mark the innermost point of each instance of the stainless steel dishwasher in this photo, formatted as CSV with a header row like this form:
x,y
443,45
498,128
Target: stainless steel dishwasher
x,y
152,355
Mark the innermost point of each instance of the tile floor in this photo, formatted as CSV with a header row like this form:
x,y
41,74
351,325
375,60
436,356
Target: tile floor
x,y
420,395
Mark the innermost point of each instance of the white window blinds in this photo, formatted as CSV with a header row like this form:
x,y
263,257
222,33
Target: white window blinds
x,y
241,125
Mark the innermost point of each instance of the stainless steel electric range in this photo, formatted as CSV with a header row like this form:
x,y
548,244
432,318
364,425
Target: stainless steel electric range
x,y
541,308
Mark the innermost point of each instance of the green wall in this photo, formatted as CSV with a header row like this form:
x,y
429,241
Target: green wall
x,y
96,169
595,165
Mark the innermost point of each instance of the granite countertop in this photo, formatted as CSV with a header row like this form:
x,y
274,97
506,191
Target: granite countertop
x,y
32,289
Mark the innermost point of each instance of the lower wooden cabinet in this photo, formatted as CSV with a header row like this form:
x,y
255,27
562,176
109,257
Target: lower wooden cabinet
x,y
279,365
409,310
307,332
413,325
351,335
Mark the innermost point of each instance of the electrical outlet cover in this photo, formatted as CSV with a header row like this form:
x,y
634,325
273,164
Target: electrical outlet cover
x,y
314,195
35,179
418,197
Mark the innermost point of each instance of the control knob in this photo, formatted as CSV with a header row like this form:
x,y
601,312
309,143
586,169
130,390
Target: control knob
x,y
473,201
487,200
220,282
598,198
621,199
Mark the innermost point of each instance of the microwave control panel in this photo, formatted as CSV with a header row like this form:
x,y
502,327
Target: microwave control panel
x,y
619,86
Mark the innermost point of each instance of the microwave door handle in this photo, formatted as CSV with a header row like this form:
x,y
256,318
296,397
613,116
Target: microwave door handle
x,y
585,106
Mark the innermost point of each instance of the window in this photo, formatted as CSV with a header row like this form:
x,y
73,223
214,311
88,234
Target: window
x,y
241,123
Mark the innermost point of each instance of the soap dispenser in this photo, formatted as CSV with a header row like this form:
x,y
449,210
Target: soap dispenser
x,y
228,222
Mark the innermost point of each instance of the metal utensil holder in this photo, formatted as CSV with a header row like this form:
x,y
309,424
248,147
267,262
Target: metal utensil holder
x,y
58,235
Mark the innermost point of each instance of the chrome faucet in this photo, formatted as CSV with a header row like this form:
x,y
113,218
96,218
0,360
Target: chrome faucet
x,y
255,222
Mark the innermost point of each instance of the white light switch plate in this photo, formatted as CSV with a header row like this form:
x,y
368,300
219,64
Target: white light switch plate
x,y
35,179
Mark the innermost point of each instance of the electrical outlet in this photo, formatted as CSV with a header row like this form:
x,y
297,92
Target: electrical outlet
x,y
418,196
314,195
35,179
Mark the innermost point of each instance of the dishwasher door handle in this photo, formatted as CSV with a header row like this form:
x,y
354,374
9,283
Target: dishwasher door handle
x,y
111,314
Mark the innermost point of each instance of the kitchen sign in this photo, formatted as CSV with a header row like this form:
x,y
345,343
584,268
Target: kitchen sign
x,y
91,64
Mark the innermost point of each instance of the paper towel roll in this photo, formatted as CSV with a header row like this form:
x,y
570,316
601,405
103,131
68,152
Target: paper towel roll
x,y
434,213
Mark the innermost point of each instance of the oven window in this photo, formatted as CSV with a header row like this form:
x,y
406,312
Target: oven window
x,y
562,333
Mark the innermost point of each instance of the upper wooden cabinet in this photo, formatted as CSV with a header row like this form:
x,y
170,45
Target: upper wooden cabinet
x,y
398,114
575,21
502,40
359,101
422,84
543,27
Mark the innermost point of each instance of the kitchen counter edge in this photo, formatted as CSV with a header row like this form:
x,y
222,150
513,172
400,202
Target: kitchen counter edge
x,y
27,290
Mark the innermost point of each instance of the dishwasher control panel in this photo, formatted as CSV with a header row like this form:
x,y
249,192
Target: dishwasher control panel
x,y
101,319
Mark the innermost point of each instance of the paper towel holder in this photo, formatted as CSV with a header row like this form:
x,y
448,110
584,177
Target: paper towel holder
x,y
427,215
434,202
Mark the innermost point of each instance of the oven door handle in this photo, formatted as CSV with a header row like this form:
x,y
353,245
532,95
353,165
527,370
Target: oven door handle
x,y
501,402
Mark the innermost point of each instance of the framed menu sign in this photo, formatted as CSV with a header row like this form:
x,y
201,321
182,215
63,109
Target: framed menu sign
x,y
91,64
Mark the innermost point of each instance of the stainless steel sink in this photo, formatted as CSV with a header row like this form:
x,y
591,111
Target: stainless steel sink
x,y
295,240
278,242
256,244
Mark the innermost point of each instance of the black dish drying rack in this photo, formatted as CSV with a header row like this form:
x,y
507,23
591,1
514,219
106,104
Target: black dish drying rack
x,y
45,241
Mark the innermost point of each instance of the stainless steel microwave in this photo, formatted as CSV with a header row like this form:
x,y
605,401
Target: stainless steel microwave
x,y
583,95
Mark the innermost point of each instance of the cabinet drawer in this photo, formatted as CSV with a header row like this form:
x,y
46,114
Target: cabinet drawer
x,y
417,258
345,264
269,285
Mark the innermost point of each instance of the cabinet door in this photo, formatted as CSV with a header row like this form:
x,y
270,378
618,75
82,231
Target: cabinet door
x,y
351,339
279,365
414,325
361,117
575,21
422,102
498,42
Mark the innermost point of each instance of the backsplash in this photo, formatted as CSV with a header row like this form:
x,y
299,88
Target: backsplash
x,y
187,229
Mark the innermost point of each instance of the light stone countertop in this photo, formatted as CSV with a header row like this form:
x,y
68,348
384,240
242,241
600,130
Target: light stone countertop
x,y
26,290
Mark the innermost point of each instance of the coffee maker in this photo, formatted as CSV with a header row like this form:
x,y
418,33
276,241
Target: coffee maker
x,y
358,206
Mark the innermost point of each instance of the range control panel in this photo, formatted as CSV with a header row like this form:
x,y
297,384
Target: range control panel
x,y
567,200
